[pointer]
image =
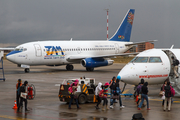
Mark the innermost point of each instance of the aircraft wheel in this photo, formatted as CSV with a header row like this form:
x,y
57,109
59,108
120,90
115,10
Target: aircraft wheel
x,y
82,99
26,70
90,69
69,67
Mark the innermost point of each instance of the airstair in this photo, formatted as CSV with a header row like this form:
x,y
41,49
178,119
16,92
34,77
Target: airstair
x,y
175,82
1,65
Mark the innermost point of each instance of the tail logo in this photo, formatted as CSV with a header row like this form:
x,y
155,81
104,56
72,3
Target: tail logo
x,y
121,37
130,18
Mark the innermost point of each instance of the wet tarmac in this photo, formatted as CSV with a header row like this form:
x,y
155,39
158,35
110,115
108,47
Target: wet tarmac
x,y
46,104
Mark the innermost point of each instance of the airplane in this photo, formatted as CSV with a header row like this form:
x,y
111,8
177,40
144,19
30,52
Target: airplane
x,y
89,54
154,66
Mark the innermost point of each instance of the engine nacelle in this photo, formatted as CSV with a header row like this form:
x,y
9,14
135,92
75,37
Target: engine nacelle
x,y
96,62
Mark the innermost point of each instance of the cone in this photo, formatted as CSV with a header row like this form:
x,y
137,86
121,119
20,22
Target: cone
x,y
15,105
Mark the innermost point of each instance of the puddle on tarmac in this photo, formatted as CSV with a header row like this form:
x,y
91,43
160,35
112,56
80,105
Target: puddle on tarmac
x,y
66,114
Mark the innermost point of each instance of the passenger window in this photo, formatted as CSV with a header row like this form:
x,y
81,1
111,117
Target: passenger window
x,y
155,59
141,60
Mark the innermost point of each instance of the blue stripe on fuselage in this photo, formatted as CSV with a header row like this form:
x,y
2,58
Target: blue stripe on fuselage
x,y
13,52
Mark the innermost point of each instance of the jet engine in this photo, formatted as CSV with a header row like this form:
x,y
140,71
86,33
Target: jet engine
x,y
96,62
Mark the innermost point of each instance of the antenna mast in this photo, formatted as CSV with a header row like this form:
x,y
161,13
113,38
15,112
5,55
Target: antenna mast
x,y
107,10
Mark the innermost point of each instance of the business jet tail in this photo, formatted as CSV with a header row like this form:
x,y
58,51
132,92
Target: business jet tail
x,y
123,32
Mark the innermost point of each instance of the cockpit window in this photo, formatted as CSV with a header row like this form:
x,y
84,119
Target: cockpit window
x,y
20,49
141,60
155,59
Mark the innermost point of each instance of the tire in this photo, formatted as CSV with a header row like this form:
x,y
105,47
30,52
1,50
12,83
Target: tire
x,y
90,69
82,98
69,67
26,70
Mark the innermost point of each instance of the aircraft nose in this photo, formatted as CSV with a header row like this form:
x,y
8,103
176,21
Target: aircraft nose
x,y
127,75
10,56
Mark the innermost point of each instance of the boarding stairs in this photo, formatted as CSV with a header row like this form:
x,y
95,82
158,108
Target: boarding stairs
x,y
175,82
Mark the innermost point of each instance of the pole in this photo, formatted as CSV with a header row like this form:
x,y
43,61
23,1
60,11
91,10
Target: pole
x,y
107,23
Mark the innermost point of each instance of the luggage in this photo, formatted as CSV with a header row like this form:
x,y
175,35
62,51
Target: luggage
x,y
137,116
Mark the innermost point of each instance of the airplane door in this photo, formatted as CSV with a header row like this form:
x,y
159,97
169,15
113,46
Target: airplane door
x,y
169,54
38,50
116,48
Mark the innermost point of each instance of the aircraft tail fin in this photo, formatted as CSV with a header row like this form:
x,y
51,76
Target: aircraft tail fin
x,y
123,32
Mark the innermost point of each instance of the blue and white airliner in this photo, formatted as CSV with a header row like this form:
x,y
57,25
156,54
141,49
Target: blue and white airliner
x,y
90,54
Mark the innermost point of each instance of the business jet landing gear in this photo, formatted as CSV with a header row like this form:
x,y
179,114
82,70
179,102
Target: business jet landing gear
x,y
90,69
69,67
26,70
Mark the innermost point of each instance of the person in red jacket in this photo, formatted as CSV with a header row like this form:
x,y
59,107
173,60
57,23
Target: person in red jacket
x,y
105,94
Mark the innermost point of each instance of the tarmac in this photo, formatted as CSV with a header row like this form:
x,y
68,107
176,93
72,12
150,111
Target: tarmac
x,y
46,104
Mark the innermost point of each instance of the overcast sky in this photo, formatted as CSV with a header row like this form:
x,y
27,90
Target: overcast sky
x,y
36,20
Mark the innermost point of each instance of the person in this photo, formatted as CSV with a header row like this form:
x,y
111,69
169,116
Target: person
x,y
167,89
74,86
105,94
98,89
144,95
138,91
18,85
111,86
117,93
23,89
162,89
175,64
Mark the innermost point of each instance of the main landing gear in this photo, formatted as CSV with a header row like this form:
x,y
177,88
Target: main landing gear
x,y
90,69
69,67
26,70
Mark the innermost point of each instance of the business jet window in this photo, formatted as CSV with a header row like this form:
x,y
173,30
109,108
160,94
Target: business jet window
x,y
155,60
141,60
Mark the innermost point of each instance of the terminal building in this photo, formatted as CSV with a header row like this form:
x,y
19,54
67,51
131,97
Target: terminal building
x,y
141,47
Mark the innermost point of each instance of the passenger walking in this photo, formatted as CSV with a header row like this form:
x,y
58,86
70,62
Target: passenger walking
x,y
139,91
168,96
18,85
117,93
163,91
175,64
103,94
111,86
73,95
144,95
23,96
97,91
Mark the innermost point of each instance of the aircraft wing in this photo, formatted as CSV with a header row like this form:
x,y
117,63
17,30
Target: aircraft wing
x,y
136,43
77,57
2,49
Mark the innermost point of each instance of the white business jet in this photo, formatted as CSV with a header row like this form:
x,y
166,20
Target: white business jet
x,y
154,66
90,54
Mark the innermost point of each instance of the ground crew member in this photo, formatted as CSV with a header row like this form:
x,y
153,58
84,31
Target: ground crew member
x,y
175,64
23,89
18,85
